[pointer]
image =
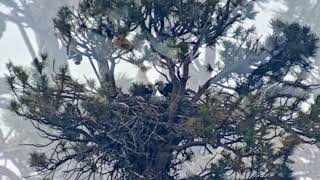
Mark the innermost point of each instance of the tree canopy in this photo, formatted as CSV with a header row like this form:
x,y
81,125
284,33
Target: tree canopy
x,y
247,118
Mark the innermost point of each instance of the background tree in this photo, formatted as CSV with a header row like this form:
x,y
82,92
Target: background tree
x,y
13,133
247,118
25,14
305,12
34,15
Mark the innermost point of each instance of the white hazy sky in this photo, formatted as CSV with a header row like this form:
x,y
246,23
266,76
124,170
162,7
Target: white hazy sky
x,y
12,46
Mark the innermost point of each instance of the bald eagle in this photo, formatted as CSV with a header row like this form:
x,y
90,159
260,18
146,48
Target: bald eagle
x,y
164,89
139,89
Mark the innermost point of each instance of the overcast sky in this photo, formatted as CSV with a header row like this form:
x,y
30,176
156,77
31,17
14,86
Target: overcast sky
x,y
12,46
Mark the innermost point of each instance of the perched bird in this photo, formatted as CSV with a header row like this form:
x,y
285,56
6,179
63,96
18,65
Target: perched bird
x,y
139,89
164,89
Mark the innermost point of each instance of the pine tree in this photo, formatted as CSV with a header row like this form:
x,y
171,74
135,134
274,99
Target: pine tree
x,y
13,133
247,130
305,12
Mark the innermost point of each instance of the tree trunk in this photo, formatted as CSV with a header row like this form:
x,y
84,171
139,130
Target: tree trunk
x,y
176,98
107,79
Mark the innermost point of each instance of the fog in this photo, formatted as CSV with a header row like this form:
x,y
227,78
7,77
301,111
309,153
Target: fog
x,y
26,30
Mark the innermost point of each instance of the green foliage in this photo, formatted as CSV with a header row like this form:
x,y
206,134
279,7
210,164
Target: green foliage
x,y
249,131
38,160
304,13
289,47
61,22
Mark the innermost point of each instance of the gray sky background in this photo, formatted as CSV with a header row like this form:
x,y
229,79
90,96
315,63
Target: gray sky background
x,y
12,46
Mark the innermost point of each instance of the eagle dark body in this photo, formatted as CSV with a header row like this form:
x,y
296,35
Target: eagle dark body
x,y
164,89
139,89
